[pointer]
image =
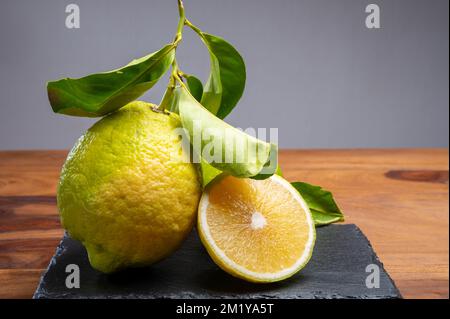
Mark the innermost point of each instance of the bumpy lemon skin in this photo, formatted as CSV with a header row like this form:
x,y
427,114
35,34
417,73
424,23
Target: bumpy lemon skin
x,y
126,190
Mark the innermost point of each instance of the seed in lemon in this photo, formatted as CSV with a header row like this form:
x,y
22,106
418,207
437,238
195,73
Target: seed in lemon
x,y
256,230
126,190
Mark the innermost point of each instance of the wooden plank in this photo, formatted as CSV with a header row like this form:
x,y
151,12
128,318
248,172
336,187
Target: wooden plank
x,y
30,173
19,283
406,219
398,197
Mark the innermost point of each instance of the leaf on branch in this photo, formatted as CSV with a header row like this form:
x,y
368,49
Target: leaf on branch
x,y
101,93
234,152
195,86
321,203
226,81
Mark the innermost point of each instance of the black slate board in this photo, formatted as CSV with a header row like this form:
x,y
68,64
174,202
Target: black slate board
x,y
337,270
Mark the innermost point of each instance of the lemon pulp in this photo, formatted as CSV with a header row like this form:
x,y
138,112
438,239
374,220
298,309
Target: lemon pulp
x,y
257,230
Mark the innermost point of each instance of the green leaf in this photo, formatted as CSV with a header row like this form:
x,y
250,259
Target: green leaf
x,y
323,208
212,92
170,100
271,166
208,172
226,81
278,171
234,152
101,93
195,86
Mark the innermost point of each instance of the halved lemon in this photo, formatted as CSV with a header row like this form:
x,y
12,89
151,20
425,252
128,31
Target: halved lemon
x,y
256,230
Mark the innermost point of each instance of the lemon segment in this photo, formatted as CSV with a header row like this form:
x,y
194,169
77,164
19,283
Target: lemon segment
x,y
257,230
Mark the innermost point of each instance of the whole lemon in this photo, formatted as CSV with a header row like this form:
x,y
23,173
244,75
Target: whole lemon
x,y
127,191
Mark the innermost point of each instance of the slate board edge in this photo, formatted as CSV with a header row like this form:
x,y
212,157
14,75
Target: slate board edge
x,y
397,291
41,293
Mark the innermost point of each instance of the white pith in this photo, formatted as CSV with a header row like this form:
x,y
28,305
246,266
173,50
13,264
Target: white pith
x,y
258,221
252,274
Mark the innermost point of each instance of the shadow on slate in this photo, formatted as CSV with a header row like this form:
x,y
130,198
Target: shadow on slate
x,y
337,270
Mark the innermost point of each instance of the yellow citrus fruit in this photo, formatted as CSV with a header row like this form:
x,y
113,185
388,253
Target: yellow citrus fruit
x,y
126,190
257,230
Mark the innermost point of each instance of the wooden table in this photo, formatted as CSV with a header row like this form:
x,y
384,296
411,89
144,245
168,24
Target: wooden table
x,y
398,197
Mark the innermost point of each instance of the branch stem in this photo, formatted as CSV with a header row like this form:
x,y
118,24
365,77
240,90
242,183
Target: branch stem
x,y
193,27
176,75
178,36
181,22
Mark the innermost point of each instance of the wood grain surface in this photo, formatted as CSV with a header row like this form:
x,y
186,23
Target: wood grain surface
x,y
398,197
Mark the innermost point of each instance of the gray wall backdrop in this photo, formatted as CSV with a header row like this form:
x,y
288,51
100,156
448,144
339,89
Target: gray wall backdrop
x,y
314,70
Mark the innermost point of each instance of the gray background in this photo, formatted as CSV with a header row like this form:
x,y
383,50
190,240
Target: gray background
x,y
314,70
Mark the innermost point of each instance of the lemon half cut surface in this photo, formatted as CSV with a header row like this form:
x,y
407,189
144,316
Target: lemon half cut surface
x,y
256,230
